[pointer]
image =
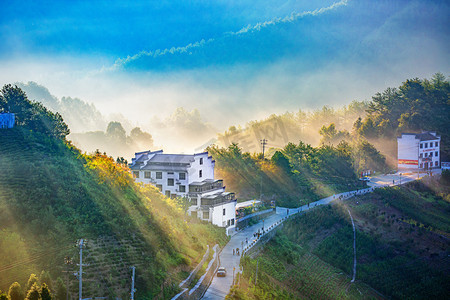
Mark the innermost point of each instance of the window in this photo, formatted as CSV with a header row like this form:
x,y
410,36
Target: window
x,y
426,145
168,194
436,144
431,154
182,176
200,173
182,188
436,163
136,174
232,222
421,146
158,175
170,181
421,166
201,160
169,173
223,212
436,154
426,154
148,174
421,155
159,186
206,215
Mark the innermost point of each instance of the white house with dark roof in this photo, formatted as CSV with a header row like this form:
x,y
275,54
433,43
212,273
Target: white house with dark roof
x,y
418,151
191,176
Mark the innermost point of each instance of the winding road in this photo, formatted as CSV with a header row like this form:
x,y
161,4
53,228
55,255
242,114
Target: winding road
x,y
220,286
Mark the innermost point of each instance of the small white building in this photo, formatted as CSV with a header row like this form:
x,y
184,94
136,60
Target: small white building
x,y
191,176
7,120
418,151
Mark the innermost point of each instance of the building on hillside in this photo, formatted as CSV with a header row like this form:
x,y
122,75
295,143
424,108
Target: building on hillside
x,y
7,120
418,151
191,176
445,165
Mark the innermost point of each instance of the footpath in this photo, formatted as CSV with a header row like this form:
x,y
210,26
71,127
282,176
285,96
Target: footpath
x,y
220,286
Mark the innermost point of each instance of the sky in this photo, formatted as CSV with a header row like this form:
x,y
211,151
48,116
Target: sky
x,y
233,61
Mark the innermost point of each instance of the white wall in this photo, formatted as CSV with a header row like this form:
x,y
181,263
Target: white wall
x,y
408,147
217,214
431,149
207,168
163,181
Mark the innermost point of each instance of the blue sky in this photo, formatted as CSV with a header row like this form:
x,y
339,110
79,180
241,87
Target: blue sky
x,y
233,60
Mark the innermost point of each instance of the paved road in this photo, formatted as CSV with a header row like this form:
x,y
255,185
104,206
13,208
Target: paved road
x,y
220,286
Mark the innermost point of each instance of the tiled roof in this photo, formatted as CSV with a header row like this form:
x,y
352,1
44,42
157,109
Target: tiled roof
x,y
424,136
172,158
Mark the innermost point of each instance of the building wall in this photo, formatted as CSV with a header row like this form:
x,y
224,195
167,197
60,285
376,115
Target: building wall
x,y
426,151
207,168
414,154
164,181
407,152
221,220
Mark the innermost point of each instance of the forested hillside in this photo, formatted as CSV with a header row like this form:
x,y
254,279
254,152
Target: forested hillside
x,y
416,105
356,138
51,195
297,174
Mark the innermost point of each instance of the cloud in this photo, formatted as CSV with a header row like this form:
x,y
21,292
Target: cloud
x,y
122,62
294,16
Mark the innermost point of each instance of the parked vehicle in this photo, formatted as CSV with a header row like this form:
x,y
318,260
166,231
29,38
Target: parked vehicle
x,y
365,178
221,272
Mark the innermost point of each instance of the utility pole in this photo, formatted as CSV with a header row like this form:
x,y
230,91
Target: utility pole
x,y
132,283
81,244
263,143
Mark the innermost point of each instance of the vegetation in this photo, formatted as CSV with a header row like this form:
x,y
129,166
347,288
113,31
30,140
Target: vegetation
x,y
52,195
401,242
295,175
416,105
287,270
401,246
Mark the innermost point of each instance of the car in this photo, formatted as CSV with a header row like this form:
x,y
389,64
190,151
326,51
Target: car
x,y
365,178
221,272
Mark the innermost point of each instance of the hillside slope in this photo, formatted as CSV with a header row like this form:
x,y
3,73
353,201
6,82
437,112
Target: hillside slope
x,y
51,195
402,249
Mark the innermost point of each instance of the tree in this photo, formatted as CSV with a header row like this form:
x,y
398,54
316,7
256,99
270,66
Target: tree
x,y
3,296
60,290
116,132
15,292
46,278
32,115
32,280
281,160
141,139
33,293
45,292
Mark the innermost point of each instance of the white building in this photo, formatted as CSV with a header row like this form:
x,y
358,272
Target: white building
x,y
418,151
7,120
191,176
